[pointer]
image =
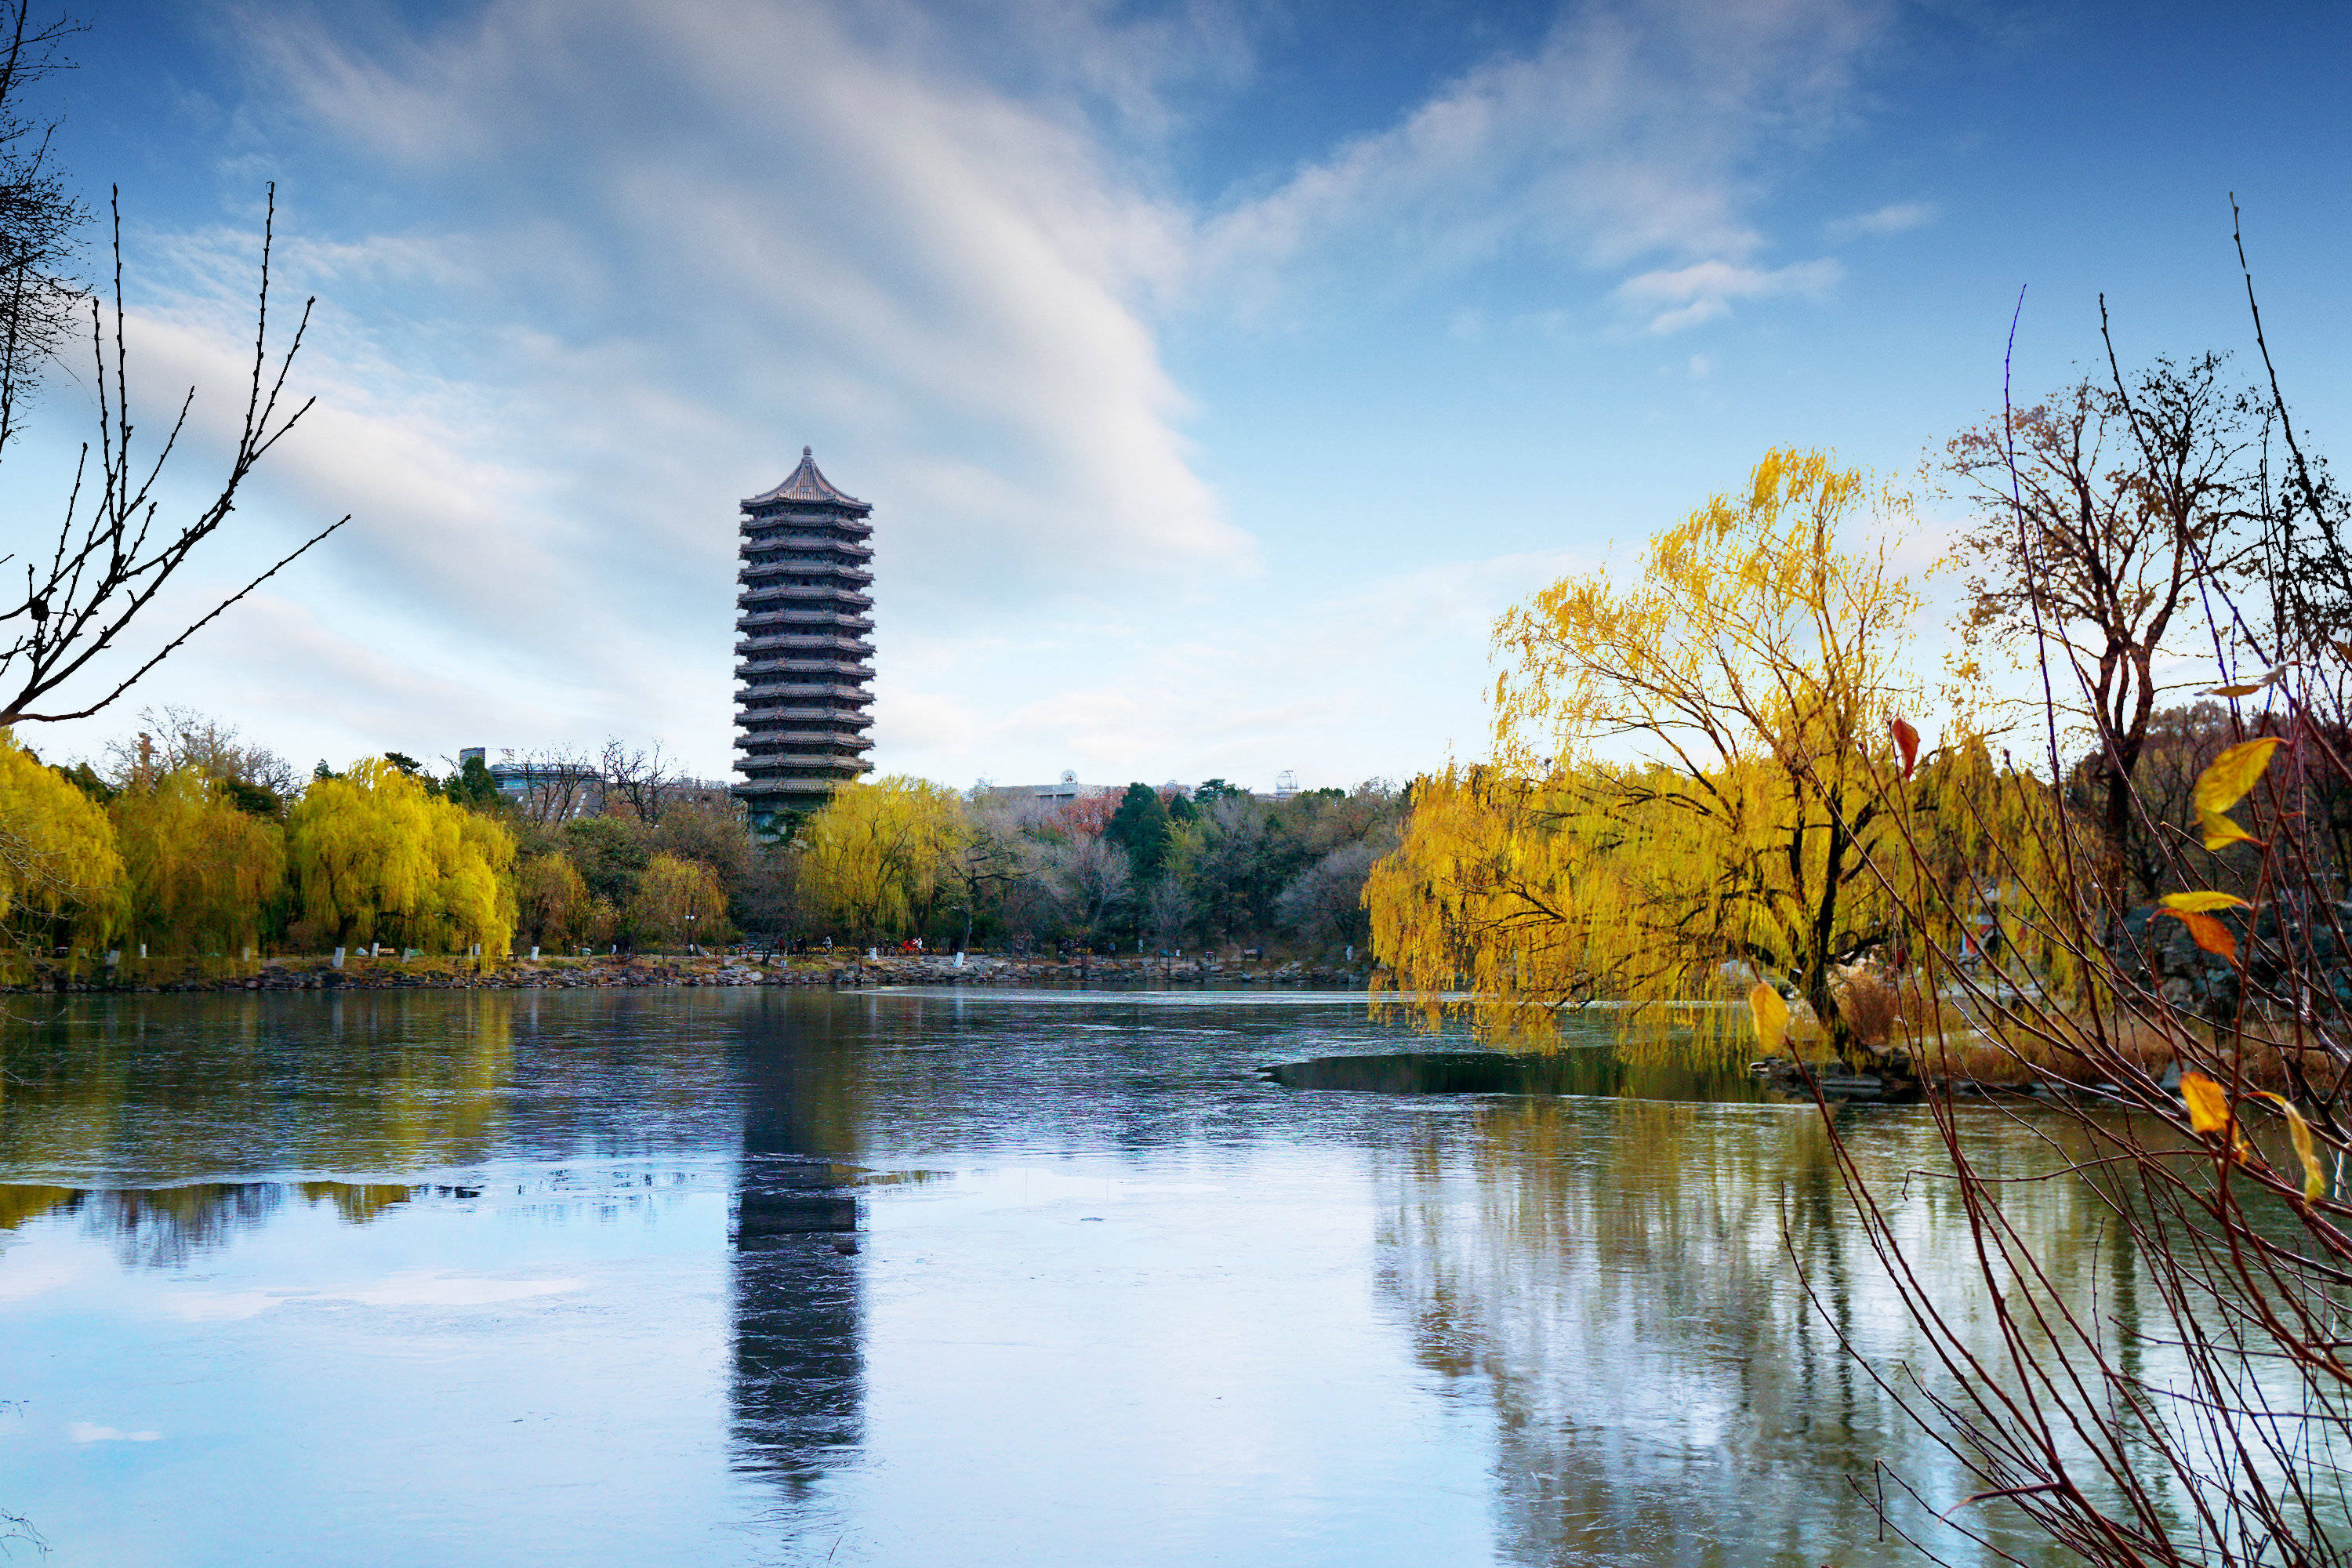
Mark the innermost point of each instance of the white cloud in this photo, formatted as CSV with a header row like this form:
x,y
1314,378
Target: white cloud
x,y
1704,290
871,252
618,258
91,1432
1632,131
1893,218
636,275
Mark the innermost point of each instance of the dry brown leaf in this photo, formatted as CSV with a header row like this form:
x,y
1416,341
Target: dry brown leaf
x,y
2207,933
1906,740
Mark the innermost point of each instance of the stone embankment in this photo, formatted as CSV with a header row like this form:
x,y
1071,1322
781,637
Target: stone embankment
x,y
840,970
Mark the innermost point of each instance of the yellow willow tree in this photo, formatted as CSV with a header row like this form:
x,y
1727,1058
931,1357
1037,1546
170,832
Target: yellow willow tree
x,y
677,903
202,873
60,872
1746,680
474,898
553,904
378,857
877,855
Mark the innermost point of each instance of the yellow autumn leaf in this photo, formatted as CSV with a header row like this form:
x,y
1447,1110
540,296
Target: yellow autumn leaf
x,y
2233,691
2315,1175
1772,1016
2220,832
2208,1103
2202,903
2233,772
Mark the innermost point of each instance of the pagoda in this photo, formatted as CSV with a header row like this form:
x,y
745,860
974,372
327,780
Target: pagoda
x,y
803,666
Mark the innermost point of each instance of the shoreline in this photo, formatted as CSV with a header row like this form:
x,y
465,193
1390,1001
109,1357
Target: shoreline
x,y
643,972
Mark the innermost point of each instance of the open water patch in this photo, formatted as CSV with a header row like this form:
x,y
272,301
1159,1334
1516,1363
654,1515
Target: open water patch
x,y
1589,1070
1096,995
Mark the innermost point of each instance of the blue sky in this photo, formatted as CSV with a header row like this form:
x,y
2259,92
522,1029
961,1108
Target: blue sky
x,y
1217,372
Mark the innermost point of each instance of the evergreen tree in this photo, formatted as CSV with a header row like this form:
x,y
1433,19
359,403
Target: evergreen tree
x,y
472,786
1141,827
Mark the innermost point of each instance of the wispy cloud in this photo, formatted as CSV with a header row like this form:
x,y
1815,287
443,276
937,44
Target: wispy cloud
x,y
1893,218
915,271
91,1432
1633,131
1704,290
637,276
618,259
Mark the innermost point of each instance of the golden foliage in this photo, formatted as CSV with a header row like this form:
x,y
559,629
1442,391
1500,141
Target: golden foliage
x,y
1754,662
2202,903
677,902
2208,1103
203,874
59,865
1771,1015
377,856
2232,773
2224,784
877,855
552,902
2315,1175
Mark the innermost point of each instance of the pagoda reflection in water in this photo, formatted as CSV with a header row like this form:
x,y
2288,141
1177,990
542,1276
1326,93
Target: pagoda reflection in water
x,y
797,1289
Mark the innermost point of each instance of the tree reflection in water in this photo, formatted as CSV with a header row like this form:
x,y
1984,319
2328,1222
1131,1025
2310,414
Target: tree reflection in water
x,y
1613,1277
149,1090
169,1228
1600,1274
128,1092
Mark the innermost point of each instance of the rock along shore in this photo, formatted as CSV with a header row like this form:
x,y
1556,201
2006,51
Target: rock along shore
x,y
841,970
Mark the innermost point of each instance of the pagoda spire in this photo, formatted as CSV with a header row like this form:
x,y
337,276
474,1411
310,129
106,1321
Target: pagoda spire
x,y
807,484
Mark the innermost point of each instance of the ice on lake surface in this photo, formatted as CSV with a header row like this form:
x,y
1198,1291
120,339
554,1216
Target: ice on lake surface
x,y
921,1278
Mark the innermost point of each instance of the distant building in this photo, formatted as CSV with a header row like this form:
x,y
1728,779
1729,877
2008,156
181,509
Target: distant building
x,y
1049,798
1069,791
548,791
556,790
803,665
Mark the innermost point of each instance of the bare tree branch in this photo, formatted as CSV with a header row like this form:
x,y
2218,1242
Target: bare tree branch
x,y
110,562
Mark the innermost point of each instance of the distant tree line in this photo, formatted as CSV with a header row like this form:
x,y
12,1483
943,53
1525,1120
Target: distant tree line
x,y
1150,868
188,841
